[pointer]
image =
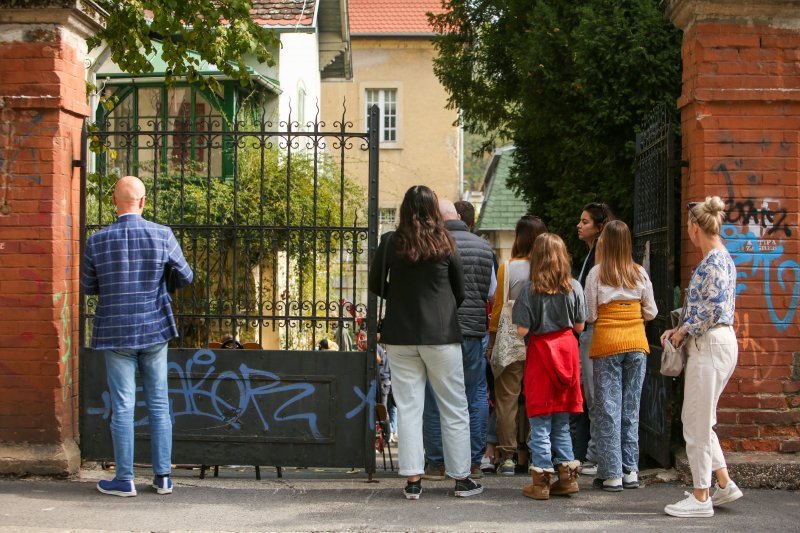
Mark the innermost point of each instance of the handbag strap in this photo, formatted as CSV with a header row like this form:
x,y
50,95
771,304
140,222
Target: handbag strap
x,y
384,268
506,283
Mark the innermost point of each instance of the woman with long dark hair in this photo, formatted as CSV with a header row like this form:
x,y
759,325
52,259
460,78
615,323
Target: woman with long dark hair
x,y
508,368
593,219
423,284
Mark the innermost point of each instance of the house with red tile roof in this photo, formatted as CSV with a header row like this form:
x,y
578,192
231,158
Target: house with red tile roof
x,y
392,61
314,45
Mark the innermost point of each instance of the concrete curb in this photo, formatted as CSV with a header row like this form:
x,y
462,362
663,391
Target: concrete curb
x,y
62,459
753,470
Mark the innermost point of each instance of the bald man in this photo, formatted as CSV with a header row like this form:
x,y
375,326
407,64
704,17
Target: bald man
x,y
125,264
477,260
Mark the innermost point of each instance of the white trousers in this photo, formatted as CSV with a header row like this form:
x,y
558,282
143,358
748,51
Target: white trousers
x,y
711,360
443,366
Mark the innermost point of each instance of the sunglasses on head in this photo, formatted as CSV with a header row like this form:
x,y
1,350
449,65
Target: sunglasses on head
x,y
691,205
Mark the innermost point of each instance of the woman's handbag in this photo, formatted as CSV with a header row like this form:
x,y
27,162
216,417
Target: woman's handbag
x,y
673,359
509,347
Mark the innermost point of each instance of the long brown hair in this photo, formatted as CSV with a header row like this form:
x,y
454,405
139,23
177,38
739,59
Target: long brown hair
x,y
528,228
615,256
421,235
550,265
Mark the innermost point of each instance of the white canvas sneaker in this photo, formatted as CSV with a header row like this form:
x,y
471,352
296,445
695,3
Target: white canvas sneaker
x,y
729,494
690,508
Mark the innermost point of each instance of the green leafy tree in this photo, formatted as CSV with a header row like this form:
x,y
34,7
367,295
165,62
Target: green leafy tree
x,y
220,31
569,83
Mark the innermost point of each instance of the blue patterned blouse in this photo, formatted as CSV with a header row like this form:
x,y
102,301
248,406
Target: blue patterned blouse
x,y
711,294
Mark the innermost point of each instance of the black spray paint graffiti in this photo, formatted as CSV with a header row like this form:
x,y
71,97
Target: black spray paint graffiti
x,y
746,212
203,396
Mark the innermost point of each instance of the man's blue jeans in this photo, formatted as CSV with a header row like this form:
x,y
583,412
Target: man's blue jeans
x,y
121,366
477,400
550,442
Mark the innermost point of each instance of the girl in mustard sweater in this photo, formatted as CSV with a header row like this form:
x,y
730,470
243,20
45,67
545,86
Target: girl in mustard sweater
x,y
619,299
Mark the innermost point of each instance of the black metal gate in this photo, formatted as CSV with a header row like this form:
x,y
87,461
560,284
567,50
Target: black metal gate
x,y
279,235
655,236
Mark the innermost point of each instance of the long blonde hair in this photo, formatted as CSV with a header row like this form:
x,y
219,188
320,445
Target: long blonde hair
x,y
550,271
615,256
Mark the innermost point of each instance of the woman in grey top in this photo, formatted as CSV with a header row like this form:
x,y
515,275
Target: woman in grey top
x,y
712,354
508,379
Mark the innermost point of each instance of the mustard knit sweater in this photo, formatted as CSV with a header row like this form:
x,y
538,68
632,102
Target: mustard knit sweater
x,y
619,328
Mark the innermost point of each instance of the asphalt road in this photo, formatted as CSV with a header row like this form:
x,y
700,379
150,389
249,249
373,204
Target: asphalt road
x,y
333,500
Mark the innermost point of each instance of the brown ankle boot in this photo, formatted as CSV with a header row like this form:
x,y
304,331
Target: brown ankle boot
x,y
567,482
539,489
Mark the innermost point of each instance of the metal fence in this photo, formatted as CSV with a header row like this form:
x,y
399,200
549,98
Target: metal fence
x,y
278,232
655,239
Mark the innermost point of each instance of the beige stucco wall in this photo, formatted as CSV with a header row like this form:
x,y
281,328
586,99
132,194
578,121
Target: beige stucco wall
x,y
427,148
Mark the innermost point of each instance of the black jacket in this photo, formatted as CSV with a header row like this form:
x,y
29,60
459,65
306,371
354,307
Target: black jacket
x,y
477,260
421,299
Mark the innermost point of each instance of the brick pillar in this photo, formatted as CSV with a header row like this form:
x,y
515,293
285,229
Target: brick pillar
x,y
42,107
740,117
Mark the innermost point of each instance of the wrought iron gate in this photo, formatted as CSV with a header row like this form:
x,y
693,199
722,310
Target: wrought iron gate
x,y
656,232
278,234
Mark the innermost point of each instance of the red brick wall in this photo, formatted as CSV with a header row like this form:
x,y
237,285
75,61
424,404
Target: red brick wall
x,y
740,114
42,105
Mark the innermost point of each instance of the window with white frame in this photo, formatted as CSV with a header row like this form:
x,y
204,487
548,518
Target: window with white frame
x,y
387,219
386,100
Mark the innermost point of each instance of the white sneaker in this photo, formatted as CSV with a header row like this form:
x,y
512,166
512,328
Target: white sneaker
x,y
393,438
630,480
613,485
729,494
487,466
690,508
588,468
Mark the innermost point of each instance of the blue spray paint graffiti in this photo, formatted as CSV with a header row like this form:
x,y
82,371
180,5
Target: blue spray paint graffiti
x,y
751,236
747,250
201,395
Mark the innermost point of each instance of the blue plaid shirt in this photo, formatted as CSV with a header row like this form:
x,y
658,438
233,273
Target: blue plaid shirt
x,y
125,263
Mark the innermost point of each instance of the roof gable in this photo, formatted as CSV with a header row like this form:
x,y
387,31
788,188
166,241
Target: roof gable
x,y
501,208
386,17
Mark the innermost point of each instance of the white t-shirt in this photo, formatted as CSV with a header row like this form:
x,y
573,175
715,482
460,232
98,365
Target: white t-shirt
x,y
598,294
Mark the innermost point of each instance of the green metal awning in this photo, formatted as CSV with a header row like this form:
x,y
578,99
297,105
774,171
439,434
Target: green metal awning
x,y
204,68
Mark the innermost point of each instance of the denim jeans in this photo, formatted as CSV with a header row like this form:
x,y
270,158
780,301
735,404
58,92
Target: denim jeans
x,y
443,368
550,442
618,381
121,366
581,424
477,401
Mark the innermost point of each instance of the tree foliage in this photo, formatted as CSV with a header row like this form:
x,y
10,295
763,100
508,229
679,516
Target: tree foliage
x,y
220,31
568,82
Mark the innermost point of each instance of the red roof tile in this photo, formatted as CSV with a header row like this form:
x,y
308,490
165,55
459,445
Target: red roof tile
x,y
391,16
283,13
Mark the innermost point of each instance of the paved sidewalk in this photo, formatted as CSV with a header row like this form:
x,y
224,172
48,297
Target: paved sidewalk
x,y
333,500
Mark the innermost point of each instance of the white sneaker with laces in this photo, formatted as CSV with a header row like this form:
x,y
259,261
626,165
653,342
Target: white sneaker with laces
x,y
729,494
690,507
588,468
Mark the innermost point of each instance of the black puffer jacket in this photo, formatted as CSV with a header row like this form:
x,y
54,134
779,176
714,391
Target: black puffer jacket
x,y
477,260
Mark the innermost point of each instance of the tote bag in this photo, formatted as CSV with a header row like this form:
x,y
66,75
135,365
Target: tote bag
x,y
509,347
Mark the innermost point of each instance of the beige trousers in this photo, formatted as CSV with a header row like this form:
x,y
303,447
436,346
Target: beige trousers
x,y
507,388
710,364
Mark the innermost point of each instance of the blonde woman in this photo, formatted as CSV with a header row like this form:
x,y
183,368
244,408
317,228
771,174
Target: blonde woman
x,y
707,329
619,299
